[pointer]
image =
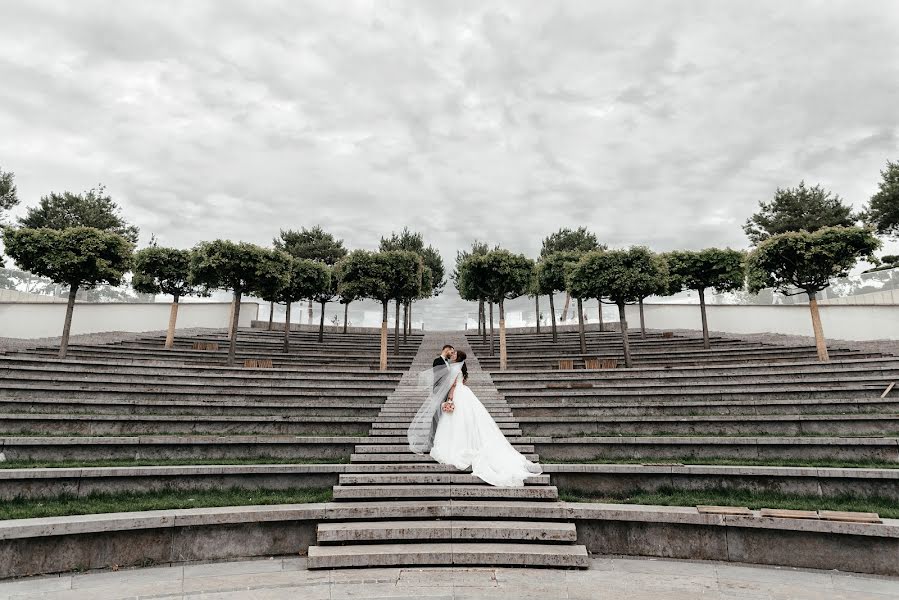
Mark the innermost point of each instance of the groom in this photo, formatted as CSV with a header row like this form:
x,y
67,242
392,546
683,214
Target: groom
x,y
446,357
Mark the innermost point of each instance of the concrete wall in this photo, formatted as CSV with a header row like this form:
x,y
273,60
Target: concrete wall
x,y
38,320
17,296
843,322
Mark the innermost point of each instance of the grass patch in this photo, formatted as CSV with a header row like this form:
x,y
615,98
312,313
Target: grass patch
x,y
721,497
168,462
732,462
134,501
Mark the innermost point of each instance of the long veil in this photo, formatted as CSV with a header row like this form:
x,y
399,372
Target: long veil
x,y
434,384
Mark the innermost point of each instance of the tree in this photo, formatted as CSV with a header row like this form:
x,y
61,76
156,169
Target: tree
x,y
404,272
160,270
8,195
712,268
240,267
80,257
306,279
795,209
312,244
577,241
802,262
506,276
550,274
466,290
93,208
883,209
622,276
326,292
433,275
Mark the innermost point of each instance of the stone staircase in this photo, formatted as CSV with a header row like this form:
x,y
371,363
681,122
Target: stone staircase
x,y
431,511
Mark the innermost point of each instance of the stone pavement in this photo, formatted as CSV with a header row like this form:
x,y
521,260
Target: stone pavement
x,y
613,578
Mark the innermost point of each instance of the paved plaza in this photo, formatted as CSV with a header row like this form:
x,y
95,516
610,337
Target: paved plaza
x,y
614,578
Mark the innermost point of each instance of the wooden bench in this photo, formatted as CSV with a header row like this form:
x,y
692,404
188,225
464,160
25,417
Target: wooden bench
x,y
206,346
258,363
566,364
600,363
667,334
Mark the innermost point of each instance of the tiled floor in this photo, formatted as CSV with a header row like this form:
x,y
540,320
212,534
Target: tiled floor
x,y
614,578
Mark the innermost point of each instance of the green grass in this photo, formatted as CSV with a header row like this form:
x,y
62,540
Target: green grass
x,y
734,462
137,501
167,462
886,508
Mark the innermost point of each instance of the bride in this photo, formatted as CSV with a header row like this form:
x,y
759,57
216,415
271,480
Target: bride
x,y
466,435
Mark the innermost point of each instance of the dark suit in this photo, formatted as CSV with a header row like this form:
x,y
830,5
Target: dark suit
x,y
438,362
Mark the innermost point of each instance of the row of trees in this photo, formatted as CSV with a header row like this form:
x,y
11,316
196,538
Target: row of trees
x,y
82,241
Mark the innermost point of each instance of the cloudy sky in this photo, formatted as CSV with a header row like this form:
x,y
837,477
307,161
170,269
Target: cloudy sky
x,y
659,123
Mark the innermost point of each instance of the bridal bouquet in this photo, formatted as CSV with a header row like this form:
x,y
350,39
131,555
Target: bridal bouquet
x,y
448,406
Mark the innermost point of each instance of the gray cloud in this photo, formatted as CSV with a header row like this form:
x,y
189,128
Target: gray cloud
x,y
652,122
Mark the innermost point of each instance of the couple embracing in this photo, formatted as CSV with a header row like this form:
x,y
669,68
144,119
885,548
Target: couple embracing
x,y
455,428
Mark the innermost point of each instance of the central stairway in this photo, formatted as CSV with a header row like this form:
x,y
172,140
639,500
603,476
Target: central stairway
x,y
413,511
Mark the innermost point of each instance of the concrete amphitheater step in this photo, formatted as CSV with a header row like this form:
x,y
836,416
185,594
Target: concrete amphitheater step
x,y
408,458
470,554
546,493
448,478
446,530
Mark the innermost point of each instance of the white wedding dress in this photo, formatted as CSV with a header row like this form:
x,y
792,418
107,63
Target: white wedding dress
x,y
469,437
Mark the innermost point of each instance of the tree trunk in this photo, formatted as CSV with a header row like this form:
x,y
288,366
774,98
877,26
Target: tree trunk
x,y
309,321
580,325
624,341
287,329
537,311
492,343
231,319
346,312
552,314
173,318
503,357
599,310
642,322
235,319
564,316
396,331
383,364
67,325
482,316
321,325
271,313
816,325
705,323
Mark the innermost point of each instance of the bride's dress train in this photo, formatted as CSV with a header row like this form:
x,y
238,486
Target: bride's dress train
x,y
469,437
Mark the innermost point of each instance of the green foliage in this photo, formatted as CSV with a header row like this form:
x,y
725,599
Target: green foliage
x,y
883,209
622,276
81,257
159,270
306,280
362,275
502,275
312,244
8,196
552,269
326,290
722,270
238,266
566,240
462,277
808,261
404,274
798,209
93,208
434,274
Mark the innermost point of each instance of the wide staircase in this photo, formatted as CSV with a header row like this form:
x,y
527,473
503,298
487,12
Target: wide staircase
x,y
409,510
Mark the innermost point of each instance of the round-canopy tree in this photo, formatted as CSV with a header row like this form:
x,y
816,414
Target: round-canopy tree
x,y
93,208
883,209
404,277
712,268
240,267
800,208
550,274
313,244
802,262
433,275
505,276
622,276
80,257
465,288
577,241
326,292
158,270
306,279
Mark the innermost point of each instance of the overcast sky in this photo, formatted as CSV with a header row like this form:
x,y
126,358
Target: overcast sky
x,y
659,123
